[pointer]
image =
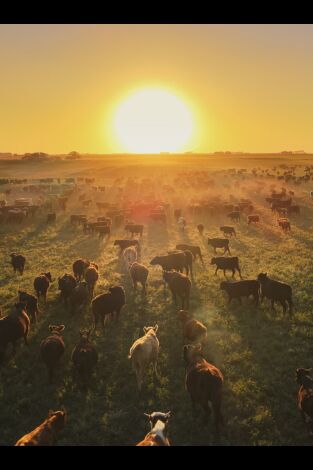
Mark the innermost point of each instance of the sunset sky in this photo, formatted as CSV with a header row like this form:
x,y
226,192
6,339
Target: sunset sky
x,y
247,87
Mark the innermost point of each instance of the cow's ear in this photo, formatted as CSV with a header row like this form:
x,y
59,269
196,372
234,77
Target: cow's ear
x,y
145,329
168,415
156,328
61,328
148,416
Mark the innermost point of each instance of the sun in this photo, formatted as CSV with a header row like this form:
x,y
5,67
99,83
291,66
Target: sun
x,y
153,120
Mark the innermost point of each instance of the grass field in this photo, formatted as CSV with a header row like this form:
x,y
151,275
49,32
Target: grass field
x,y
257,350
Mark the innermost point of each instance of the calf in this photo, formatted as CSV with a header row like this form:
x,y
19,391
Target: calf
x,y
204,383
305,396
105,305
18,262
139,273
144,352
14,326
219,243
46,433
84,356
159,430
227,230
238,289
41,284
193,330
231,264
179,285
275,291
52,349
253,218
31,304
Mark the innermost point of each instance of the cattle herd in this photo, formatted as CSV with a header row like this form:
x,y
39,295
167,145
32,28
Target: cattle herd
x,y
128,221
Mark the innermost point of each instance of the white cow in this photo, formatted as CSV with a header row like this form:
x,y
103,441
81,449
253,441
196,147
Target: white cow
x,y
130,255
144,352
181,223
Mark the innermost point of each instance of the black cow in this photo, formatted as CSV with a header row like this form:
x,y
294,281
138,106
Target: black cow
x,y
227,230
84,356
195,250
41,284
108,304
238,289
14,326
276,291
223,263
31,304
18,262
126,243
66,285
176,261
235,215
52,349
219,243
134,229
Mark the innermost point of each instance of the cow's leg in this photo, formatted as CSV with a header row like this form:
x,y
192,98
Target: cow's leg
x,y
233,272
283,304
207,412
239,273
138,377
187,301
216,271
218,417
229,299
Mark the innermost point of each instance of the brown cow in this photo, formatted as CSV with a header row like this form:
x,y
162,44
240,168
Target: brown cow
x,y
52,349
47,432
179,285
193,330
305,396
139,273
204,383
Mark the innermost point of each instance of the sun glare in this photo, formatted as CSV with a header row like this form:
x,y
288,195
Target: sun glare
x,y
153,120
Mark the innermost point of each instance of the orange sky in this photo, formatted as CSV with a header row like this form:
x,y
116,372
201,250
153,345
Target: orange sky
x,y
249,87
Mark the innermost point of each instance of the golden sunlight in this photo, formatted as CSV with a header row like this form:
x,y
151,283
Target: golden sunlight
x,y
153,120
